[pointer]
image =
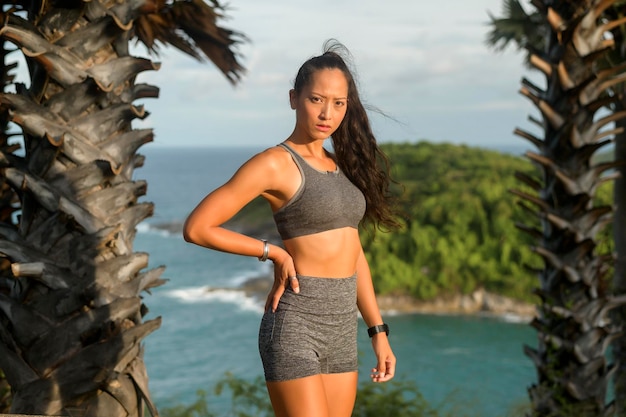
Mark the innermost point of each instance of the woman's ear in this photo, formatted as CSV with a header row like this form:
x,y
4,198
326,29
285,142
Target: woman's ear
x,y
292,99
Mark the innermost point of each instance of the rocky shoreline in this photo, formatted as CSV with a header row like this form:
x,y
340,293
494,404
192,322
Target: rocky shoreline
x,y
479,303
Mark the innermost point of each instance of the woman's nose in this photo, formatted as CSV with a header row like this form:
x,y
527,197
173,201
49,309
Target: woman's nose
x,y
325,114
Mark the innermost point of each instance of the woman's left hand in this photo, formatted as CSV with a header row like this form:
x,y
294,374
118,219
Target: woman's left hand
x,y
386,366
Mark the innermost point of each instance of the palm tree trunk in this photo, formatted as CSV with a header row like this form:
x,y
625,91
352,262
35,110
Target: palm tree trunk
x,y
72,327
526,31
8,198
573,325
619,277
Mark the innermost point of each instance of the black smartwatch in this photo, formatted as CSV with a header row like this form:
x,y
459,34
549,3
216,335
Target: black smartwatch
x,y
378,329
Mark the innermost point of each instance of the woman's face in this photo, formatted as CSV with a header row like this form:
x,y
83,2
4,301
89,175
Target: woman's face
x,y
321,105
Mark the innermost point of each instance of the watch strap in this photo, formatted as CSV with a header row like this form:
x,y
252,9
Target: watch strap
x,y
378,329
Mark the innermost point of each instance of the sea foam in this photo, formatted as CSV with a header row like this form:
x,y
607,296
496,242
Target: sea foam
x,y
193,295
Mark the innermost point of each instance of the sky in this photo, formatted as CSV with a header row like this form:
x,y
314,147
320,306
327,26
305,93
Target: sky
x,y
425,64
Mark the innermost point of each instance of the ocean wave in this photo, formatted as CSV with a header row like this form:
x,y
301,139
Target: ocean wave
x,y
513,318
166,229
456,351
143,228
148,228
193,295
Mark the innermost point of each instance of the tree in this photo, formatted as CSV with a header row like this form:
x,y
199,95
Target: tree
x,y
71,310
7,196
566,42
617,58
521,28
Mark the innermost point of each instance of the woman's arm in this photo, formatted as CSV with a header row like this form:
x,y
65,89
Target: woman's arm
x,y
366,302
259,176
203,226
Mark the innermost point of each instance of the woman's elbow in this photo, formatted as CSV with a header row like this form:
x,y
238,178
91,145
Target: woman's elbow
x,y
190,232
198,233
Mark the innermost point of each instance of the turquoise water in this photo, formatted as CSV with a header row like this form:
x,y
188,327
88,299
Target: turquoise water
x,y
473,362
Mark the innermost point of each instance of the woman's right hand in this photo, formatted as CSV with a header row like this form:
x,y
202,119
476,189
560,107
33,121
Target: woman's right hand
x,y
284,276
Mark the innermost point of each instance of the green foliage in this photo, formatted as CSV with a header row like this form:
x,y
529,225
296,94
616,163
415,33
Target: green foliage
x,y
199,408
392,399
250,399
5,394
460,221
246,396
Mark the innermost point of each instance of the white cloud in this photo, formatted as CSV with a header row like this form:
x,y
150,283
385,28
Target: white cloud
x,y
424,63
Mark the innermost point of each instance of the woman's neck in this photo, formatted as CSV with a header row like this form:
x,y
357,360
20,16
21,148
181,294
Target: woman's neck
x,y
314,148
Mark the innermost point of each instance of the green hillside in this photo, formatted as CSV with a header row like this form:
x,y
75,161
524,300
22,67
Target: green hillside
x,y
459,217
460,231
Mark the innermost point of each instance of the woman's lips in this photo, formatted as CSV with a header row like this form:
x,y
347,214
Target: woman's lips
x,y
323,128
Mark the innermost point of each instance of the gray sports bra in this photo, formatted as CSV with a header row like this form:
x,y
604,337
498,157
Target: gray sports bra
x,y
324,201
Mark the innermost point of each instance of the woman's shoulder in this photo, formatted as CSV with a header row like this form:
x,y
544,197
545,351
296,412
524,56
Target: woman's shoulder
x,y
270,167
276,151
269,162
274,157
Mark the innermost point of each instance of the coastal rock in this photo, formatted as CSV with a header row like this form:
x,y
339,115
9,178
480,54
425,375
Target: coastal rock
x,y
174,227
266,230
479,302
257,287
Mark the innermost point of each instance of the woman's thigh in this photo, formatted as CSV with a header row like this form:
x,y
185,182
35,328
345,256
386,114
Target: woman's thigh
x,y
323,395
340,393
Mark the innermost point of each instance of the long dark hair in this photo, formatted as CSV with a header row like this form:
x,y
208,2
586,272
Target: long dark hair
x,y
354,143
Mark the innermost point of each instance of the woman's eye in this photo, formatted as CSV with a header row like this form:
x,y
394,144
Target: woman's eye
x,y
316,99
340,103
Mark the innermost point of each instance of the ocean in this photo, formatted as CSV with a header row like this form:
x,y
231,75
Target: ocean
x,y
210,325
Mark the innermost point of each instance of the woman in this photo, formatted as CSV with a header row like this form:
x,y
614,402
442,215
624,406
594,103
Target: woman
x,y
307,338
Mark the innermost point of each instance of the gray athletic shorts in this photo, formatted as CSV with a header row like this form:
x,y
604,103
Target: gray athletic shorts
x,y
313,332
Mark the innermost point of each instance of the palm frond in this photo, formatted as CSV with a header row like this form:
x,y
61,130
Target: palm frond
x,y
515,26
191,26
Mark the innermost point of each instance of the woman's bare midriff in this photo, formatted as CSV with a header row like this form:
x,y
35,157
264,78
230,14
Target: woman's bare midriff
x,y
330,254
